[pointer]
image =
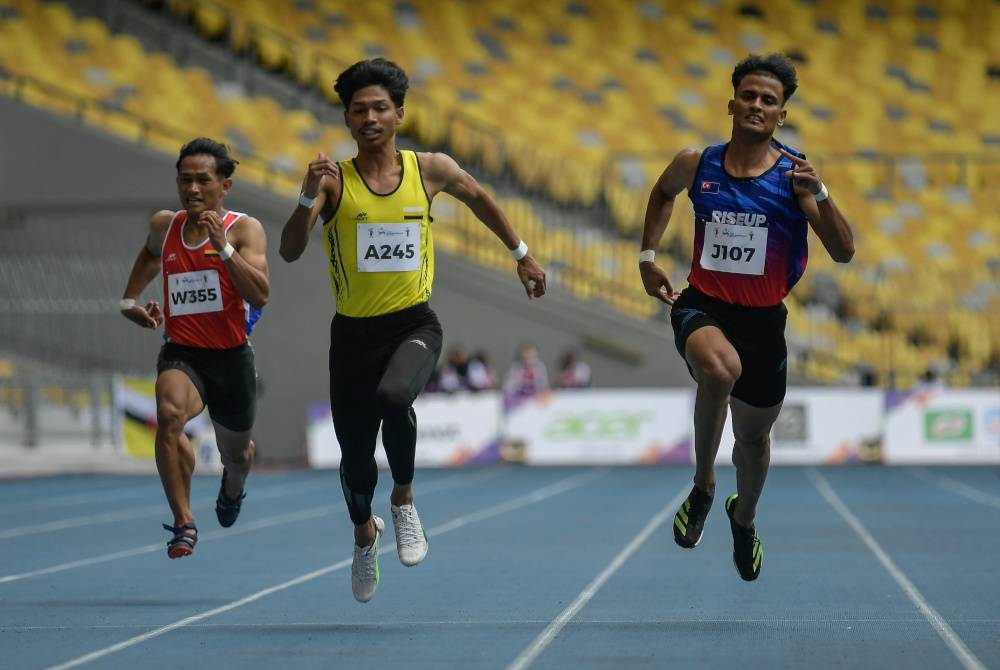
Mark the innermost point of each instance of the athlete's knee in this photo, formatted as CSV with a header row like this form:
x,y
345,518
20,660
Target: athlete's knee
x,y
170,418
752,446
392,398
359,475
239,457
720,370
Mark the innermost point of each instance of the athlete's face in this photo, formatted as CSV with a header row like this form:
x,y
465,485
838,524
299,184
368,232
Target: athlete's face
x,y
372,116
758,105
199,186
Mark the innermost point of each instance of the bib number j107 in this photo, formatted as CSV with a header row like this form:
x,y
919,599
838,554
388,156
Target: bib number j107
x,y
736,249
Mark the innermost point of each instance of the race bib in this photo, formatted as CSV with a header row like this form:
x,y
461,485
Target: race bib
x,y
195,292
388,247
735,249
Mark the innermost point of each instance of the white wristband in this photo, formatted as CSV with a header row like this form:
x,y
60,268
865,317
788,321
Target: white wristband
x,y
306,201
520,252
823,193
126,303
647,256
227,252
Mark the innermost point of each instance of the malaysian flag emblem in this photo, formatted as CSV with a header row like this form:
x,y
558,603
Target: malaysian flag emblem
x,y
709,187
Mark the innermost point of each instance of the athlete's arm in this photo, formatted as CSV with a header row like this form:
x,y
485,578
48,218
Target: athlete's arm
x,y
322,182
247,267
442,173
144,270
675,178
825,217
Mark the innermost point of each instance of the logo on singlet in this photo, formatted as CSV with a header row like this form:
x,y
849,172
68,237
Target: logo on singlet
x,y
739,218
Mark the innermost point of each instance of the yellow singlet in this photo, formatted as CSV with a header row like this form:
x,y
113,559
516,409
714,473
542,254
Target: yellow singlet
x,y
379,246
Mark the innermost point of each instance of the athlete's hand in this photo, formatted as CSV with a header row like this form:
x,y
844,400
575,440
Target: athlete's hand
x,y
532,276
318,168
149,316
803,175
216,229
657,283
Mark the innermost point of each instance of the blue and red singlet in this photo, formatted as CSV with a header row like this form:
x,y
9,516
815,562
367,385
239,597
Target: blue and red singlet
x,y
750,237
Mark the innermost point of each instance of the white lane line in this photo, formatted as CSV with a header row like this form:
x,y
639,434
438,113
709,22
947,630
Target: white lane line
x,y
442,484
76,499
950,637
266,522
955,486
532,651
256,494
535,496
770,624
78,522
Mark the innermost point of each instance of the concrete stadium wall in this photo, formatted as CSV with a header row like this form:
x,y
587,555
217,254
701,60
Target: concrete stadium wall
x,y
51,163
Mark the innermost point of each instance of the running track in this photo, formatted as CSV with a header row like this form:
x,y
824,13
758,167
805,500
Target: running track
x,y
528,567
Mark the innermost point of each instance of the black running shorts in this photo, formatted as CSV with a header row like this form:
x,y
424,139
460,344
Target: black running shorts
x,y
757,334
225,378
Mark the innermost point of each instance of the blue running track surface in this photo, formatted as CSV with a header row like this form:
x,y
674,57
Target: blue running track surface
x,y
864,567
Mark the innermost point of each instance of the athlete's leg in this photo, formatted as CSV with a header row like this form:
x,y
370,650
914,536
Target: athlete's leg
x,y
236,451
177,402
409,370
716,366
231,393
751,455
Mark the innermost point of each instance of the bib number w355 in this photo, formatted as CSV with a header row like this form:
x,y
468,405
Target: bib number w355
x,y
195,292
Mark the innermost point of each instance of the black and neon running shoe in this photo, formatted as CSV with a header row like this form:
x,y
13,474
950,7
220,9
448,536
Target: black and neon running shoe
x,y
748,552
689,522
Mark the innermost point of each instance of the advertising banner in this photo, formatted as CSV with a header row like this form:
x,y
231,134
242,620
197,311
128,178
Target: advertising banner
x,y
592,426
820,425
457,429
943,426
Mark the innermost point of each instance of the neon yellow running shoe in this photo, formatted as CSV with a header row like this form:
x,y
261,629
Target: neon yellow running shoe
x,y
748,551
689,522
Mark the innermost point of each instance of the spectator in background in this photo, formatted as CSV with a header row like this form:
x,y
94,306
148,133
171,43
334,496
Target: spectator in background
x,y
526,377
481,375
454,374
573,373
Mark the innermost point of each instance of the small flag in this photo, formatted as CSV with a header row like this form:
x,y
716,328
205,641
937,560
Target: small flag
x,y
709,187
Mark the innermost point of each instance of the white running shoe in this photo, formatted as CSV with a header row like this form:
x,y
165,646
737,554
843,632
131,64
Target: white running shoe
x,y
411,541
364,569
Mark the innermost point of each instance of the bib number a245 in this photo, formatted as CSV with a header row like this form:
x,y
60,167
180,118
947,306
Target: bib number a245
x,y
388,247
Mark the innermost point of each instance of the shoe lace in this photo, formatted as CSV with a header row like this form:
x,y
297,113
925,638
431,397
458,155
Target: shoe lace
x,y
364,565
408,528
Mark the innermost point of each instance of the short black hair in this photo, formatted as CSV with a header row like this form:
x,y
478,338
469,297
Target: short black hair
x,y
373,72
778,66
225,164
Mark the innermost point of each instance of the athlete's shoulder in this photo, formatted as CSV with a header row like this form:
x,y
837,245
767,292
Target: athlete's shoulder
x,y
684,166
434,160
162,218
689,155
